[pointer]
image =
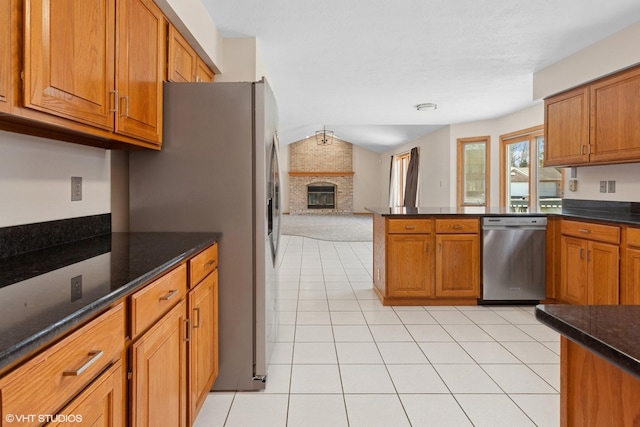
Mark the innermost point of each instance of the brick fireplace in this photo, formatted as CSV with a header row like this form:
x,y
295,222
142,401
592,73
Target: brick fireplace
x,y
320,168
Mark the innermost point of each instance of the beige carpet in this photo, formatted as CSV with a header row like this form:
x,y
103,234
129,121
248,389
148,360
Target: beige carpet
x,y
338,228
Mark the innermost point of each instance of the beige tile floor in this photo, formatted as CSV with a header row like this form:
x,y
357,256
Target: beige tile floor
x,y
342,359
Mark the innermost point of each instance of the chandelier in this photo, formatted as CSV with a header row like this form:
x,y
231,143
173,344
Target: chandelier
x,y
324,136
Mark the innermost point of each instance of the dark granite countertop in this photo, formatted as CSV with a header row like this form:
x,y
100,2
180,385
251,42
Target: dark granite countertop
x,y
38,302
609,331
624,213
445,211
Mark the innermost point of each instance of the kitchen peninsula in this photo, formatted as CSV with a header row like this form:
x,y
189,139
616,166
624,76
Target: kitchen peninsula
x,y
599,363
433,256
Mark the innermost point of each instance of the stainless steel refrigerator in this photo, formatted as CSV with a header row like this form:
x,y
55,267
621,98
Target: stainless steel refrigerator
x,y
218,171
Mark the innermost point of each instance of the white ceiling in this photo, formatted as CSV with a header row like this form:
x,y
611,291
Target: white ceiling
x,y
361,66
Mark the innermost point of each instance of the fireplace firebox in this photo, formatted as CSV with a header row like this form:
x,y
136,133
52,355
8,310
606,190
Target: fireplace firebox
x,y
321,196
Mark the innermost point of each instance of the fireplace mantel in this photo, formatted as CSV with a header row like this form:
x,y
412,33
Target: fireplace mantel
x,y
321,173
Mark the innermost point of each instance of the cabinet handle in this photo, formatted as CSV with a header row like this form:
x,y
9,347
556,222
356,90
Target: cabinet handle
x,y
95,355
126,105
208,263
3,98
170,295
440,247
187,336
584,230
115,101
588,256
581,253
196,312
583,149
409,227
457,227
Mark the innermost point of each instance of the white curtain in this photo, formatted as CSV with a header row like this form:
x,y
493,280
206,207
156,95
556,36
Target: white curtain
x,y
393,183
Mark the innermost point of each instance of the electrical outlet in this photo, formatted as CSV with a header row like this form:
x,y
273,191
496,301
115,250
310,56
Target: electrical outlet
x,y
76,288
603,186
611,186
573,184
76,188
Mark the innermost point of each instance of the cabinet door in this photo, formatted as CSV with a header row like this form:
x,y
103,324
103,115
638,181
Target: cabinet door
x,y
566,123
203,72
100,405
182,58
458,265
410,265
603,282
69,59
615,108
203,347
159,386
141,63
573,270
632,276
5,55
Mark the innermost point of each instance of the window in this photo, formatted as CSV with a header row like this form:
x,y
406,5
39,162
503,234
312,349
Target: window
x,y
525,184
473,171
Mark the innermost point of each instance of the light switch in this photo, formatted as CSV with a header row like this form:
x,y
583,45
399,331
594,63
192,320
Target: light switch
x,y
611,186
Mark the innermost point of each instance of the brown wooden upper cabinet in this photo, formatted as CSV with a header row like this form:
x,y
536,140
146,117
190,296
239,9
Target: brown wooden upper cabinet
x,y
595,124
184,63
5,55
182,58
615,117
203,72
567,128
98,62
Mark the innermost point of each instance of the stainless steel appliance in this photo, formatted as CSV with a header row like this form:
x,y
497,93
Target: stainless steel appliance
x,y
514,249
218,171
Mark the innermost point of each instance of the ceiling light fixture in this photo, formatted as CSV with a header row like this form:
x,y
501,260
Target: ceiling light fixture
x,y
429,106
324,136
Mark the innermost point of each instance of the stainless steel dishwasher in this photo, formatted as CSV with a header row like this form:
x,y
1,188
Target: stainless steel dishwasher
x,y
514,252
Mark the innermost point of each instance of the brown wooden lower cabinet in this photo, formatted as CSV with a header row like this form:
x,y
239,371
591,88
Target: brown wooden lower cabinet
x,y
632,276
589,265
159,379
589,272
458,265
410,265
101,404
203,346
426,260
594,392
156,372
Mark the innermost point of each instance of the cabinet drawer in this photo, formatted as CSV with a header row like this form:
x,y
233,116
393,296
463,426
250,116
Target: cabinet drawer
x,y
203,264
633,237
414,226
587,230
157,298
457,225
44,384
